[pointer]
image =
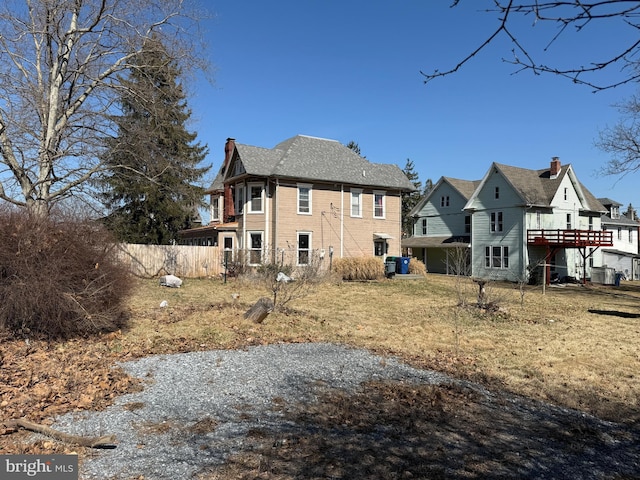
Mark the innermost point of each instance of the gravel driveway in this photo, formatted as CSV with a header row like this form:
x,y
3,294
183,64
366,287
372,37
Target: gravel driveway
x,y
198,409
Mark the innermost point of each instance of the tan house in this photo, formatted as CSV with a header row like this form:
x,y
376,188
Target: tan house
x,y
305,196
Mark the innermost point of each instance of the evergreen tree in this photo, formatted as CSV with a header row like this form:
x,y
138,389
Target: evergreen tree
x,y
355,147
410,199
150,190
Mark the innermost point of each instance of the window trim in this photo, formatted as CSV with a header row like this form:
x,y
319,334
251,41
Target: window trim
x,y
250,199
444,201
358,193
239,200
424,226
496,262
216,202
251,249
496,222
309,187
308,249
382,193
497,193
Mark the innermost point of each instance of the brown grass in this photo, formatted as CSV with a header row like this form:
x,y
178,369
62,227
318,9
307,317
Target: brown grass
x,y
548,347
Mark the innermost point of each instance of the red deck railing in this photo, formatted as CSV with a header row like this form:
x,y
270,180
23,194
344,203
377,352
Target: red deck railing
x,y
570,238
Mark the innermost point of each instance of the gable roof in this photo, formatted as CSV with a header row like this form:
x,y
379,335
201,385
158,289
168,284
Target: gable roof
x,y
464,187
538,187
318,159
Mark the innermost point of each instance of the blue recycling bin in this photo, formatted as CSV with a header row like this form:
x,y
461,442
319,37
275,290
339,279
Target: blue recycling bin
x,y
402,265
618,278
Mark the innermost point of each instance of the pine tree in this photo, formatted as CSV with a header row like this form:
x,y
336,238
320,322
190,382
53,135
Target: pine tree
x,y
151,189
410,199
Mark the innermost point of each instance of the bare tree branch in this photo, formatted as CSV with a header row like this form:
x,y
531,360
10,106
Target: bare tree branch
x,y
573,15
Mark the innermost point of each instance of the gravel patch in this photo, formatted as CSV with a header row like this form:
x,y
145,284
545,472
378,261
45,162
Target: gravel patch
x,y
162,431
198,409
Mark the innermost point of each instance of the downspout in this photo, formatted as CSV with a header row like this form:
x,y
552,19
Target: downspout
x,y
266,213
275,225
341,220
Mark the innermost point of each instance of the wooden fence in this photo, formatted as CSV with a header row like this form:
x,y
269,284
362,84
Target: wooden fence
x,y
181,260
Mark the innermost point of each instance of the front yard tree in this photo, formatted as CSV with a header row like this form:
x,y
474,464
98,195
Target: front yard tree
x,y
151,189
60,62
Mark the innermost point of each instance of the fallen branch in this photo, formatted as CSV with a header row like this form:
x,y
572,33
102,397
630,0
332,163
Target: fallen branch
x,y
107,441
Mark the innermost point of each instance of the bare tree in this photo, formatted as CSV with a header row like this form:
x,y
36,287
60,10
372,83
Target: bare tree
x,y
569,16
61,62
622,140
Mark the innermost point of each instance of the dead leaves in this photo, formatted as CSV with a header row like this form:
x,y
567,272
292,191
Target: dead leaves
x,y
40,380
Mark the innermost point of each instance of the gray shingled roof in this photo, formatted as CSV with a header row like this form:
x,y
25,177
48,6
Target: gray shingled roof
x,y
538,188
465,187
318,159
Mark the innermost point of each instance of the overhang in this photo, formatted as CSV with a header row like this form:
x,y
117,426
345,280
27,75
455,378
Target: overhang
x,y
436,242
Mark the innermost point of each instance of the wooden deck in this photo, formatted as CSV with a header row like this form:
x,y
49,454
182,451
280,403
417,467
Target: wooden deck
x,y
570,238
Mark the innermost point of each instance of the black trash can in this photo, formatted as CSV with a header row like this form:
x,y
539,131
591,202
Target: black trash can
x,y
390,267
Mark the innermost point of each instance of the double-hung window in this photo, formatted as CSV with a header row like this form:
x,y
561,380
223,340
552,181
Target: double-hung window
x,y
378,204
356,202
304,199
424,226
255,248
304,248
256,191
496,222
496,257
444,201
215,208
239,198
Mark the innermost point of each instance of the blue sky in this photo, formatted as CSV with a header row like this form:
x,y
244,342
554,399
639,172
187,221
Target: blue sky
x,y
350,71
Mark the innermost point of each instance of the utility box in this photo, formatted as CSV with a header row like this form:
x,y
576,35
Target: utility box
x,y
603,275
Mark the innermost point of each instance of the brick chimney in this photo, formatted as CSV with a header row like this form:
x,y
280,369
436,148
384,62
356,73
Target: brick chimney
x,y
229,208
554,170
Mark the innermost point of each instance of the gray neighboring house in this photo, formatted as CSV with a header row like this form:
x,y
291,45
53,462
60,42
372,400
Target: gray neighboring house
x,y
510,221
624,256
306,194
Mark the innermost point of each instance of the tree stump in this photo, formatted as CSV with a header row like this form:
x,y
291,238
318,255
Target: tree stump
x,y
260,310
482,292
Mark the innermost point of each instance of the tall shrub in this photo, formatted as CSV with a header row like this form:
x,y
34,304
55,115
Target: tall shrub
x,y
59,277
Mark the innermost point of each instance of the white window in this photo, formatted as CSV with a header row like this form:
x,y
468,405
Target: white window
x,y
215,208
256,195
566,193
304,199
304,248
496,257
378,205
356,202
590,223
569,221
444,201
619,233
255,248
239,198
496,222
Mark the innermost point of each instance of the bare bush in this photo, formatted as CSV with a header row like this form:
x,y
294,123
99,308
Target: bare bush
x,y
59,277
417,267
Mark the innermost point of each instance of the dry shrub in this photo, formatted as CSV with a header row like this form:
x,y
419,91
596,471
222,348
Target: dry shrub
x,y
359,268
59,277
417,267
